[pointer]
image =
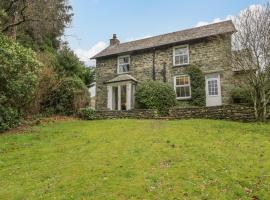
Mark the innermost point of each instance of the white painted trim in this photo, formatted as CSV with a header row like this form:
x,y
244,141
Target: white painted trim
x,y
109,97
182,98
124,56
128,86
175,47
119,97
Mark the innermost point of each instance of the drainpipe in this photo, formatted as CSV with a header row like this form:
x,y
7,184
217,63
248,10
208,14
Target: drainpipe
x,y
154,68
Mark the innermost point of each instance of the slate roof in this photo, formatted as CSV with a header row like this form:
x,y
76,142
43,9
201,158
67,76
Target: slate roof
x,y
169,38
122,77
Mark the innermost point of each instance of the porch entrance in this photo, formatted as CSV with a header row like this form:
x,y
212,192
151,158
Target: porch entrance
x,y
121,96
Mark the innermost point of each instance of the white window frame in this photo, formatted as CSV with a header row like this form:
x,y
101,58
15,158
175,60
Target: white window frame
x,y
176,86
181,46
118,64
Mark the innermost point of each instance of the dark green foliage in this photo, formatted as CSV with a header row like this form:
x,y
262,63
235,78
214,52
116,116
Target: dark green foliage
x,y
156,95
69,95
241,95
31,22
197,82
87,113
9,118
18,80
68,64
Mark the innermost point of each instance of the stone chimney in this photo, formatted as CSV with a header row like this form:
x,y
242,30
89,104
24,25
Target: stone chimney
x,y
114,40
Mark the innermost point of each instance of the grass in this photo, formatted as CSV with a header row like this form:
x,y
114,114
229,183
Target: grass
x,y
137,159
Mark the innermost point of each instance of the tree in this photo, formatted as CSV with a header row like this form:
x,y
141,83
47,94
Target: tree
x,y
251,45
70,65
35,19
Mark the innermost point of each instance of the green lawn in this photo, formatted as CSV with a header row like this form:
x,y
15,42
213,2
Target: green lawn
x,y
137,159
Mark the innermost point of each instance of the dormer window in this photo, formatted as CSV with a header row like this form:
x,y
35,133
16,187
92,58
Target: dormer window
x,y
181,55
123,64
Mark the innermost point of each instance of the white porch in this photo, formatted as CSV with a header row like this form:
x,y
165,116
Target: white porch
x,y
121,92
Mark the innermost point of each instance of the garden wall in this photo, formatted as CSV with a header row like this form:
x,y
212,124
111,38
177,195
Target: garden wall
x,y
228,112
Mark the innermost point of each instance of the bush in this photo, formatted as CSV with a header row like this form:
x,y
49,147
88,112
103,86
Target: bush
x,y
68,96
18,79
197,81
87,113
156,95
9,118
241,95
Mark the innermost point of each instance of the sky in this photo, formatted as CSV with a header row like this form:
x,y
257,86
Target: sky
x,y
95,21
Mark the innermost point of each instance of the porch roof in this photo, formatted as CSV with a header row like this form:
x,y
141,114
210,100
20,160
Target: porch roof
x,y
122,78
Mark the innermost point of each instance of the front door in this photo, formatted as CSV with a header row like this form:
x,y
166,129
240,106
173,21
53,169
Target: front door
x,y
213,90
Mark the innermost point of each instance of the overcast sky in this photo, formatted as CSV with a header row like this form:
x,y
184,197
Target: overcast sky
x,y
95,21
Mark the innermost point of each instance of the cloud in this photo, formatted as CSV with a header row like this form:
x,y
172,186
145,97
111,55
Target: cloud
x,y
253,7
85,55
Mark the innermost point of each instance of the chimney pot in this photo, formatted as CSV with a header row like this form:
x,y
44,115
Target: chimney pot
x,y
114,40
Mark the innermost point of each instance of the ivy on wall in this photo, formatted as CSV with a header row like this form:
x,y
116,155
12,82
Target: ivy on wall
x,y
197,82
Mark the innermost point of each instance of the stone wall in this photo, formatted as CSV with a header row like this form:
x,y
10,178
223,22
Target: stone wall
x,y
227,112
133,114
210,55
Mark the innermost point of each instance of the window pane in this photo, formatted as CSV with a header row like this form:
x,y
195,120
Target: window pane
x,y
181,50
212,87
187,92
123,68
177,80
182,80
182,91
185,59
121,60
124,60
177,60
181,60
178,92
126,68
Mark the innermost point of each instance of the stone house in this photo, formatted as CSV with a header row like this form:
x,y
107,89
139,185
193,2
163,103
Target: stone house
x,y
122,66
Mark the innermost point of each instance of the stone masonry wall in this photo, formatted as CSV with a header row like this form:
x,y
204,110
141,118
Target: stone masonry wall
x,y
210,55
227,112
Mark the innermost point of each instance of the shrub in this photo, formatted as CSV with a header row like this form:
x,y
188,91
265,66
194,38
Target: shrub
x,y
241,95
197,81
69,95
18,80
9,118
87,113
156,95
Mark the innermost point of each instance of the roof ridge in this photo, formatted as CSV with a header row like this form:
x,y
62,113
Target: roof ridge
x,y
208,30
188,29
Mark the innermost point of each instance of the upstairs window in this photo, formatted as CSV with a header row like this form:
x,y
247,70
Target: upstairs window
x,y
181,55
123,64
182,87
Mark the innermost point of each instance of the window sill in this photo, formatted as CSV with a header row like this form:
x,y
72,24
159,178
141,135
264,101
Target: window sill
x,y
183,98
182,65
